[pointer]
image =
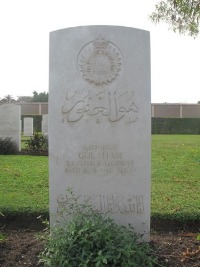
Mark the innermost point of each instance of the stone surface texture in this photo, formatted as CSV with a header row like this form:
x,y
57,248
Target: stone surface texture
x,y
100,122
28,126
10,122
45,123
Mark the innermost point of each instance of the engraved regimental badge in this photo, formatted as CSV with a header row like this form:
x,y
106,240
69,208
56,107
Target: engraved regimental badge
x,y
100,61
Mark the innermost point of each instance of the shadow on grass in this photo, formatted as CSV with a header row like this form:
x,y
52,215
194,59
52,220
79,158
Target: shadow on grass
x,y
36,221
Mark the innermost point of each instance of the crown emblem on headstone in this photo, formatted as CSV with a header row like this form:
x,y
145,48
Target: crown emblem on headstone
x,y
100,43
100,61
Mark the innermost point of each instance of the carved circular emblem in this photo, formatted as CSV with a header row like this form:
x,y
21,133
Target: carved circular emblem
x,y
100,61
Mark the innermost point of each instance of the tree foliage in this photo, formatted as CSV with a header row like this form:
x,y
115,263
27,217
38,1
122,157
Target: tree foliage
x,y
182,15
40,97
7,99
23,99
37,97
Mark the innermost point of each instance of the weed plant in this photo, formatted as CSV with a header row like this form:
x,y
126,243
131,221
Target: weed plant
x,y
90,239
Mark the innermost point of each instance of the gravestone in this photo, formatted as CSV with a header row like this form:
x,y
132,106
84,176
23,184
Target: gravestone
x,y
28,126
45,124
10,123
99,122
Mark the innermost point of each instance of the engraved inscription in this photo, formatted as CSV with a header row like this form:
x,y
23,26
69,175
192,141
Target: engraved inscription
x,y
100,61
104,203
99,160
113,107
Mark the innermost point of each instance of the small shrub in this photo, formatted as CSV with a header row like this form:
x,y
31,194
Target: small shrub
x,y
7,146
37,142
92,240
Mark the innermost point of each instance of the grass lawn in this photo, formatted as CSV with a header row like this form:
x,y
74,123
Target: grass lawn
x,y
176,176
24,140
23,184
175,179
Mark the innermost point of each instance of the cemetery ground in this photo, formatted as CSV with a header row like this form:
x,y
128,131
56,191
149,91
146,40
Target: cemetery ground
x,y
175,227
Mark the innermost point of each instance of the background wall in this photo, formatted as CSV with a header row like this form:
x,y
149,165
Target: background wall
x,y
157,110
166,118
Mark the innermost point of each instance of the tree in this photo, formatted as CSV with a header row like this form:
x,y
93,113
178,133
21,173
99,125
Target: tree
x,y
40,97
182,15
22,99
7,99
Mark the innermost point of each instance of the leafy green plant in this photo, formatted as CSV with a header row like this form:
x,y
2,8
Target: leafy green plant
x,y
37,142
7,146
90,239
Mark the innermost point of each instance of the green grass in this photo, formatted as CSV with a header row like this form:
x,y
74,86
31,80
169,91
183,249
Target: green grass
x,y
23,184
24,140
176,176
175,180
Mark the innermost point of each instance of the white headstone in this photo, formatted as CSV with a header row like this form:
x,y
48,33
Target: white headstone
x,y
10,123
99,122
45,124
28,126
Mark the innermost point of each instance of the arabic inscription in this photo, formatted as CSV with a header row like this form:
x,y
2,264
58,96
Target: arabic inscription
x,y
104,203
104,105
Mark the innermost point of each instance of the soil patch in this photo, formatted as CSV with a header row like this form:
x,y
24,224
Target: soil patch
x,y
22,247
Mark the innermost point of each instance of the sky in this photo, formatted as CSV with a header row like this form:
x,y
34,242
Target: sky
x,y
24,44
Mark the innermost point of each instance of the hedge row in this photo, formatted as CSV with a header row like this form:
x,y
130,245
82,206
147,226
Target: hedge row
x,y
175,125
159,125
